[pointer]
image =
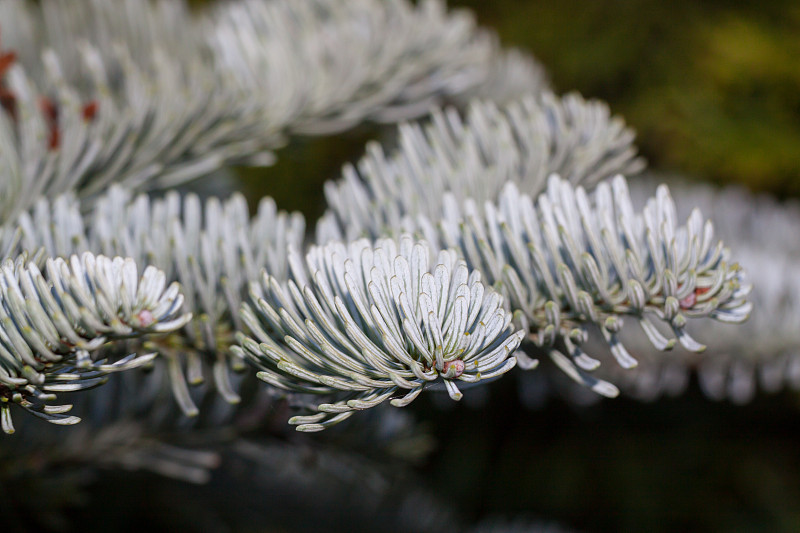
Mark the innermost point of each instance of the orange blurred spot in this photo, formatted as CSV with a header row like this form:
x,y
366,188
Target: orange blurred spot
x,y
50,112
90,110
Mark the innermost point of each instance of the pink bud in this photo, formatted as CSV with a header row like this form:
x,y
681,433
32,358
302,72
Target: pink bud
x,y
145,318
453,369
689,301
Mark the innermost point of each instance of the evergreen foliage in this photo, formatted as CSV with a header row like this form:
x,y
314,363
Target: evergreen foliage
x,y
494,226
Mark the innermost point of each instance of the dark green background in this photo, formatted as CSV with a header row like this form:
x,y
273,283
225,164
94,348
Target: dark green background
x,y
712,87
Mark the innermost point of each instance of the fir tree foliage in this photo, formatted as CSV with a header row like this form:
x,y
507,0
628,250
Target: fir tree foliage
x,y
523,141
376,322
148,95
764,352
52,323
211,248
567,261
564,259
473,242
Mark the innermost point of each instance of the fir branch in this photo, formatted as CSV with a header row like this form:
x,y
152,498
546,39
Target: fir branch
x,y
327,65
371,323
108,94
213,249
513,74
163,125
764,352
575,261
50,323
474,157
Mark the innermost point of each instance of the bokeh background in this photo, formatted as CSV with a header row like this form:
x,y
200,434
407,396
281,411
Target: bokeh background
x,y
713,90
710,86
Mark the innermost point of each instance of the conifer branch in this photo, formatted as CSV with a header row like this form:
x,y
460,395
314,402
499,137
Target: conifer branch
x,y
568,261
522,142
146,95
212,248
762,353
143,107
51,323
373,324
